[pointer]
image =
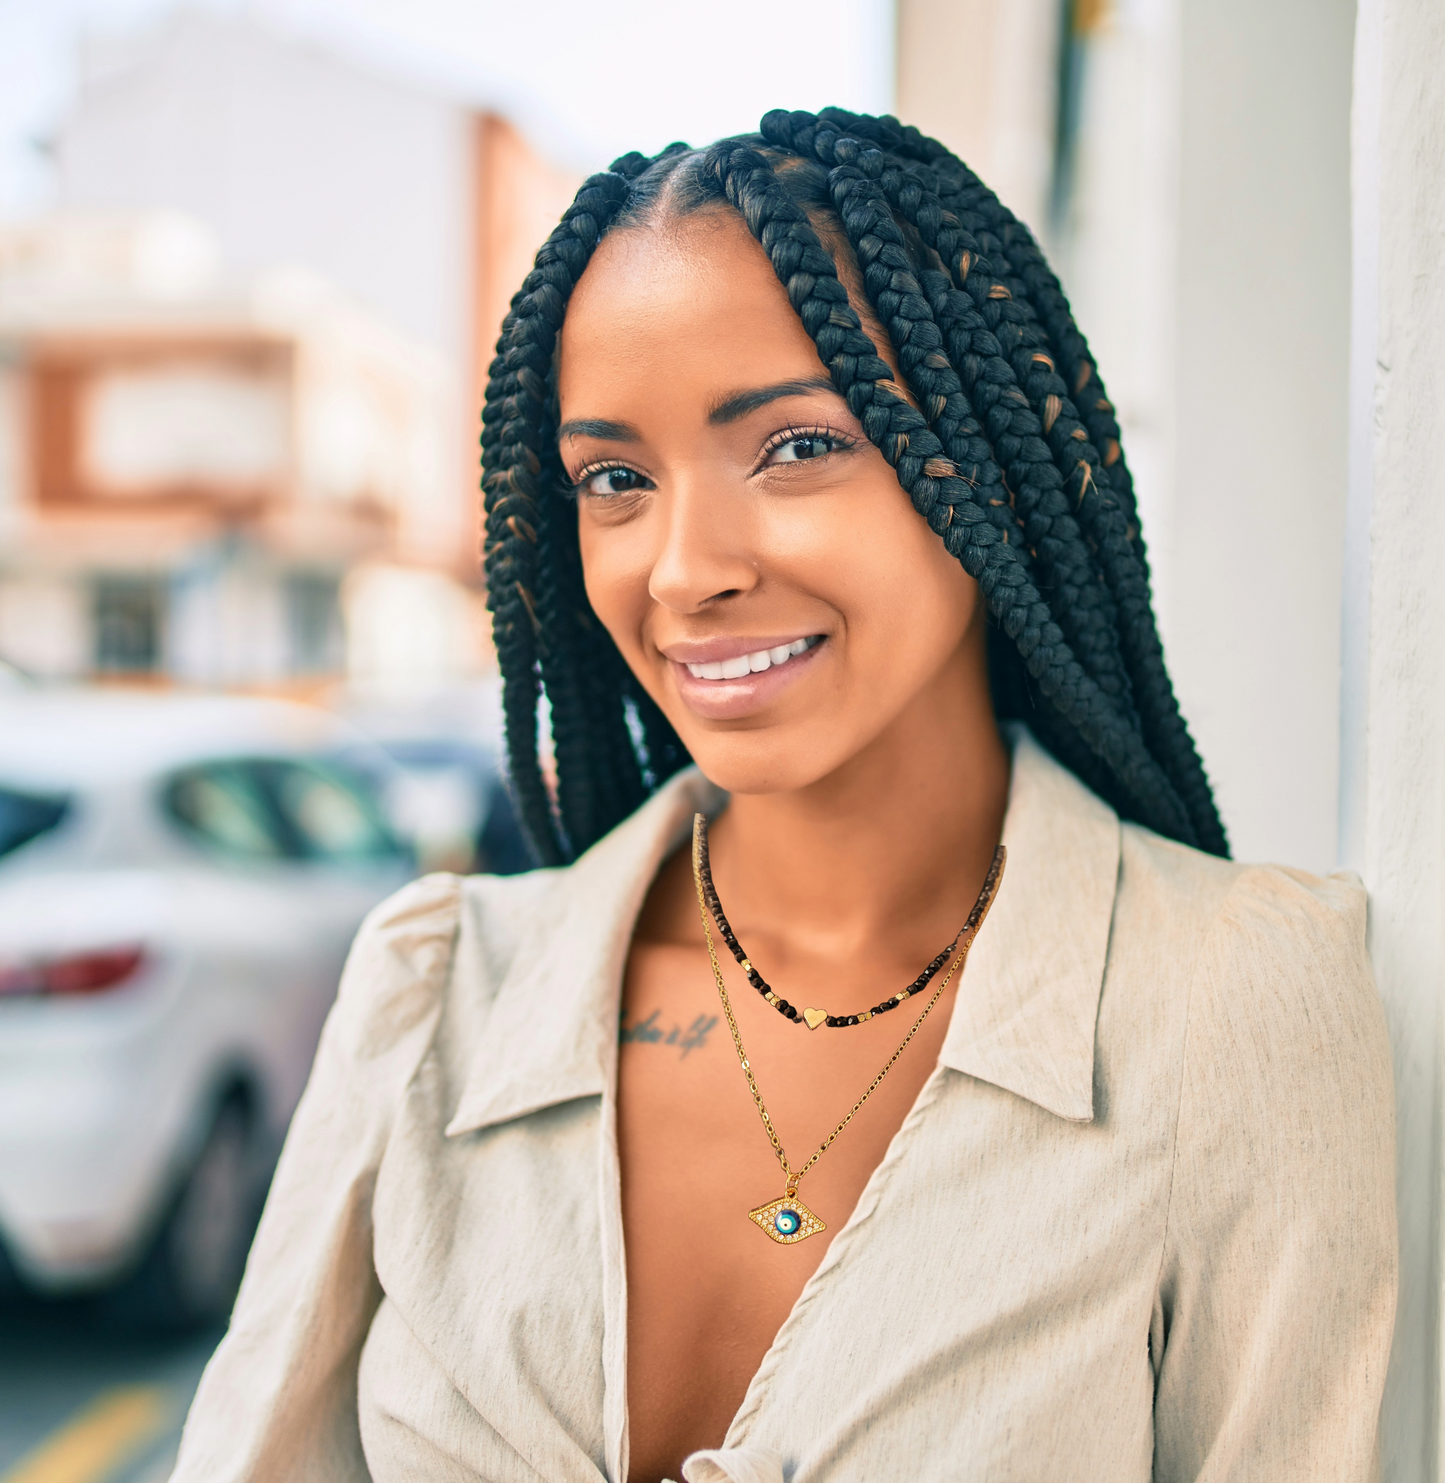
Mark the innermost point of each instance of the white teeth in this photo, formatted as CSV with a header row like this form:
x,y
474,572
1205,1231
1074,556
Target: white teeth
x,y
743,664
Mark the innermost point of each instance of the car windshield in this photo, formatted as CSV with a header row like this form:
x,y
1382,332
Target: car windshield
x,y
26,816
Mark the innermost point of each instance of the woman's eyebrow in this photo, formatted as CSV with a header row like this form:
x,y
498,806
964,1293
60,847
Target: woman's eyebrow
x,y
740,403
598,427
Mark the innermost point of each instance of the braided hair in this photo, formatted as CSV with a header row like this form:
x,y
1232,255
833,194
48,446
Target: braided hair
x,y
1010,449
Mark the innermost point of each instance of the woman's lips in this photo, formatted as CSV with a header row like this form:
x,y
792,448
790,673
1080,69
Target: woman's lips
x,y
734,695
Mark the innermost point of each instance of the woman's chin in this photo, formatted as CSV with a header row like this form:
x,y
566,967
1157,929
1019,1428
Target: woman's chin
x,y
768,760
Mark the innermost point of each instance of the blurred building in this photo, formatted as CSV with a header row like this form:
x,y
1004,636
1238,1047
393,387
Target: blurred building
x,y
191,468
240,367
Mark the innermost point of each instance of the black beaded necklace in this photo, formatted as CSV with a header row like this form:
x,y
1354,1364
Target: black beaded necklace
x,y
815,1017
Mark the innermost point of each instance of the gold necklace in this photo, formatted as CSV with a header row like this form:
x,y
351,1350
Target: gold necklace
x,y
787,1220
812,1018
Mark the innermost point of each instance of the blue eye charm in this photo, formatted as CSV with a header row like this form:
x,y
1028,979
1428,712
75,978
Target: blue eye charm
x,y
786,1221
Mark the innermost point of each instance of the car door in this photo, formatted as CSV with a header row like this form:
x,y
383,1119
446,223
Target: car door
x,y
344,857
259,932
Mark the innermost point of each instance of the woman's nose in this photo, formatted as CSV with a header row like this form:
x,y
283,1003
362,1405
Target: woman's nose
x,y
704,552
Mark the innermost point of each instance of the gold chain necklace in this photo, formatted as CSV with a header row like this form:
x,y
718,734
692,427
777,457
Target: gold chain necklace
x,y
787,1220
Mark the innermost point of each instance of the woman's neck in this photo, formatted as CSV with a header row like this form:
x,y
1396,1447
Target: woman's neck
x,y
893,842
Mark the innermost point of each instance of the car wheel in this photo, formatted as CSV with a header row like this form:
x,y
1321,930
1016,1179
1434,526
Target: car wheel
x,y
191,1273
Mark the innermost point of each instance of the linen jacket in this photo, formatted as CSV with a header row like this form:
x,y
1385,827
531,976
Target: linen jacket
x,y
1145,1199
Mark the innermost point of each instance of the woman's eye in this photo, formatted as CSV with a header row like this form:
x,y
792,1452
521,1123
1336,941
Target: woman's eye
x,y
796,450
612,481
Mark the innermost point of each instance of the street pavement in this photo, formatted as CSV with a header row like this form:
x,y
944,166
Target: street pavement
x,y
86,1399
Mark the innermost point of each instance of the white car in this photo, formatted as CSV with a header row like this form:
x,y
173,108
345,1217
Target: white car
x,y
180,878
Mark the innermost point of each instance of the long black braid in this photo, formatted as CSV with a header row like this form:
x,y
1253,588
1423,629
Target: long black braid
x,y
1012,454
1019,265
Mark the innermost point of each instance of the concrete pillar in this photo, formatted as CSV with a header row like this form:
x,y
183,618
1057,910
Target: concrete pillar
x,y
1393,712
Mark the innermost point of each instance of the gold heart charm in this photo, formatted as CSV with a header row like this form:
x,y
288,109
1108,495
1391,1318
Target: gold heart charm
x,y
787,1221
815,1017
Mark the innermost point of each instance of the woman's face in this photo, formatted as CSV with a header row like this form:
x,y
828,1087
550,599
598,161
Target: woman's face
x,y
751,553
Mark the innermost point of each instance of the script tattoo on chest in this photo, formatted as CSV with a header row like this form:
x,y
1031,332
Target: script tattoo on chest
x,y
651,1032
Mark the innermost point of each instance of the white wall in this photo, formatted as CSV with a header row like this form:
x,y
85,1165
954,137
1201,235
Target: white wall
x,y
45,623
1118,253
979,75
1393,737
1208,260
1251,609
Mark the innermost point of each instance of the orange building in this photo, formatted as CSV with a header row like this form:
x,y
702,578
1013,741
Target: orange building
x,y
241,368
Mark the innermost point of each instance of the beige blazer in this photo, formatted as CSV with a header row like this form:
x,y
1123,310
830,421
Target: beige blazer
x,y
1151,1181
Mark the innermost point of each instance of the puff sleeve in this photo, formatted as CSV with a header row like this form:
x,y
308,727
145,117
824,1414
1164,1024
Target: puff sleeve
x,y
278,1399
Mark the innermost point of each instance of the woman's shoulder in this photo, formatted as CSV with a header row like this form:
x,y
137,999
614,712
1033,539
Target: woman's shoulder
x,y
400,966
1276,970
499,912
1246,913
397,967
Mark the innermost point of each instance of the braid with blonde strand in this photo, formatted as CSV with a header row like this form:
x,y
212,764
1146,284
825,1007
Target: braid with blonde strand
x,y
1004,440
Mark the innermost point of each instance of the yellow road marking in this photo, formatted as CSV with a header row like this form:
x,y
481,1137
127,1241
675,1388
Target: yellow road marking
x,y
115,1427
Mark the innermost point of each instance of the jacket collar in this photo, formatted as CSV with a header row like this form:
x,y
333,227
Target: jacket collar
x,y
1024,1019
552,1033
1029,1002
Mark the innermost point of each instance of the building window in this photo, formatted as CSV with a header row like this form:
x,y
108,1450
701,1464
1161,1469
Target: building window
x,y
129,624
314,613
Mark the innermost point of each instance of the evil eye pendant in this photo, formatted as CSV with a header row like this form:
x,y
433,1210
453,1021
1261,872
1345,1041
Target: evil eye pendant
x,y
787,1221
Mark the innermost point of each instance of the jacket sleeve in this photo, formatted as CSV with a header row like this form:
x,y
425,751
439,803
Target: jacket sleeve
x,y
1276,1298
278,1399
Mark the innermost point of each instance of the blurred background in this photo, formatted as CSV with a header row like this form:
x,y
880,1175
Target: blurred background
x,y
253,261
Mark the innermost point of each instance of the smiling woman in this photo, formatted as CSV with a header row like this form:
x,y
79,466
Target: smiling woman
x,y
807,510
1015,459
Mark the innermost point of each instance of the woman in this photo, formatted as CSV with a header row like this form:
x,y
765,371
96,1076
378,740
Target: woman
x,y
797,467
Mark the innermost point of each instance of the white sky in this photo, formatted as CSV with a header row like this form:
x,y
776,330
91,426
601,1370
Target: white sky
x,y
588,79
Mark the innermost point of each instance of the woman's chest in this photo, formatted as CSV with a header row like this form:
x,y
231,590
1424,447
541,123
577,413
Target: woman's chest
x,y
702,1146
988,1300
